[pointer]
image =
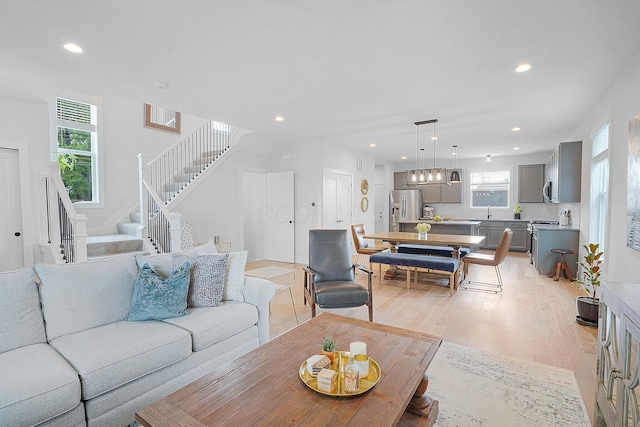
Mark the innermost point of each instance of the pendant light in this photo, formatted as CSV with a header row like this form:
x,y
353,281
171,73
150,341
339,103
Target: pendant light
x,y
455,174
422,175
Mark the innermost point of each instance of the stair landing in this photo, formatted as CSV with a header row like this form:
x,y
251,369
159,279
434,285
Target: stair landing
x,y
112,244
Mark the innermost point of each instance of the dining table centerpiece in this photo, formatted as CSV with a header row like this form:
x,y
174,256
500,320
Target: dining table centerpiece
x,y
423,228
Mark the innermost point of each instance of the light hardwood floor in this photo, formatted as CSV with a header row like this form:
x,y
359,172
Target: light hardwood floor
x,y
533,319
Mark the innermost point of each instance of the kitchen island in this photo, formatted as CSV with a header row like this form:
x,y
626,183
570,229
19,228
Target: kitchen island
x,y
547,237
458,227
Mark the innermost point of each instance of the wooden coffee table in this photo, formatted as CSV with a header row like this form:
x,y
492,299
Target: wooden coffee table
x,y
263,387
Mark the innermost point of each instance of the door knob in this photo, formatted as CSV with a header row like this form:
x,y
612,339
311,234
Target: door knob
x,y
17,234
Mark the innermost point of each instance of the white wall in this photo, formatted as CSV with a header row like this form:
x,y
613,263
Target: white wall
x,y
308,163
24,125
619,103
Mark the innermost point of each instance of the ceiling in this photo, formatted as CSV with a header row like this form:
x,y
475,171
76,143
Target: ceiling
x,y
351,73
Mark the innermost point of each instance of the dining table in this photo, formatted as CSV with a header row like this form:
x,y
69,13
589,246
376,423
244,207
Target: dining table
x,y
454,240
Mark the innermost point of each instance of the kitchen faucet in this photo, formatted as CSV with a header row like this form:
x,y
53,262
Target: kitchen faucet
x,y
488,214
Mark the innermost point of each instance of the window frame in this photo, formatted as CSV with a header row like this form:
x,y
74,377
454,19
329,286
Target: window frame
x,y
96,153
599,230
486,169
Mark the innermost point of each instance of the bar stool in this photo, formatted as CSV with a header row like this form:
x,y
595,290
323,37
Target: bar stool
x,y
561,265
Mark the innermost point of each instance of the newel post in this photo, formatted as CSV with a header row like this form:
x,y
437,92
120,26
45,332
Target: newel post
x,y
175,232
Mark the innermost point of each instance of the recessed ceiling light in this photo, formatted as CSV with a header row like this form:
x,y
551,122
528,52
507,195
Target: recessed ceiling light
x,y
522,68
403,158
279,119
72,47
488,156
516,148
515,129
372,145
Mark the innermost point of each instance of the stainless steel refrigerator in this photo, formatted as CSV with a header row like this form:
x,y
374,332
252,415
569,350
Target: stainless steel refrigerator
x,y
405,205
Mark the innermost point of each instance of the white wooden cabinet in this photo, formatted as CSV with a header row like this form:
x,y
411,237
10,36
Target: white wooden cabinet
x,y
618,370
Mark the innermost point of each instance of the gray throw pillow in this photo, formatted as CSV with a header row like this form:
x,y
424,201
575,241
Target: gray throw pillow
x,y
158,298
208,274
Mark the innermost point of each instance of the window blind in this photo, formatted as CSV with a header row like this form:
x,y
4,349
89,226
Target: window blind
x,y
600,143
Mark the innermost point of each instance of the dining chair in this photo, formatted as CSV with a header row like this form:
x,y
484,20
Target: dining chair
x,y
329,280
490,260
362,245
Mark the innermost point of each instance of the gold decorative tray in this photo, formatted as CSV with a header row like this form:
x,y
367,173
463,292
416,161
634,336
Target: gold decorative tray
x,y
366,383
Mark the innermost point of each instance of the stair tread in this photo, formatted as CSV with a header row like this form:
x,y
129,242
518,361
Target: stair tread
x,y
110,238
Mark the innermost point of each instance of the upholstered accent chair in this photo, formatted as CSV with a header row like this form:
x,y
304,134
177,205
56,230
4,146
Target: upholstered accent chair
x,y
329,280
490,260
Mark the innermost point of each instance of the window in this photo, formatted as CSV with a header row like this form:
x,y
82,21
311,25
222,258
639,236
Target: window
x,y
599,185
490,188
77,146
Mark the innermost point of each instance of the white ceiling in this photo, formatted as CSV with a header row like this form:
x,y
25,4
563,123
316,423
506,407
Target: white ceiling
x,y
347,72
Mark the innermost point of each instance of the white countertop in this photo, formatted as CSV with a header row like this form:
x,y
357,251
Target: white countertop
x,y
444,222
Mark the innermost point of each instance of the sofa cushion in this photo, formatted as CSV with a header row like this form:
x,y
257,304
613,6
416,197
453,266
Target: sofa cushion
x,y
207,278
36,384
112,355
76,297
20,316
163,263
234,283
209,325
157,298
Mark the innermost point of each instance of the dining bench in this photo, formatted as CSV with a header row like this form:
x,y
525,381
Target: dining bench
x,y
446,251
432,263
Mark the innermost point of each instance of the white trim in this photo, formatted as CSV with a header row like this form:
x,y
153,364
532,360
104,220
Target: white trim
x,y
28,224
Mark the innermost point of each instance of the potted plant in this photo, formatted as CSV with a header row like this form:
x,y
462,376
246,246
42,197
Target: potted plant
x,y
422,229
329,347
588,305
517,210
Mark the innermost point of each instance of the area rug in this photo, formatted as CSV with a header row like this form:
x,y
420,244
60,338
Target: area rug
x,y
478,389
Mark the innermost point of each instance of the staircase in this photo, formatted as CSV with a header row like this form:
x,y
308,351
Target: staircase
x,y
153,227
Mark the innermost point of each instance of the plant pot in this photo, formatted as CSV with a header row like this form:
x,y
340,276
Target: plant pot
x,y
330,354
516,216
587,310
422,235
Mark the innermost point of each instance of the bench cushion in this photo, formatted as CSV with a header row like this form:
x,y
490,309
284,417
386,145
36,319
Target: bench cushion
x,y
37,385
109,356
209,325
422,261
431,250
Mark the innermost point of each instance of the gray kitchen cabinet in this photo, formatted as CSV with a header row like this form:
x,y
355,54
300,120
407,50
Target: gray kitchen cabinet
x,y
553,237
617,390
492,230
451,193
398,179
430,193
530,183
564,170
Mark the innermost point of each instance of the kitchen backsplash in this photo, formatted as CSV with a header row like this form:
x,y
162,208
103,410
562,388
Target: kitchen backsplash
x,y
549,211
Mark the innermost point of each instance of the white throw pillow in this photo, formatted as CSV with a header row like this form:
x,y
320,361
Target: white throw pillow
x,y
234,282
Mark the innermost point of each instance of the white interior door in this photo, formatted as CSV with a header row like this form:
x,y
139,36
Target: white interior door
x,y
280,211
337,196
11,244
378,206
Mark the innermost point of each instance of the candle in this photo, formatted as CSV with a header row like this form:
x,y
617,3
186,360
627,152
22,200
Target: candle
x,y
358,347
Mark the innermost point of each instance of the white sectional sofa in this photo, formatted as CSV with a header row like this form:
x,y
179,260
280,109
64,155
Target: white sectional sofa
x,y
68,357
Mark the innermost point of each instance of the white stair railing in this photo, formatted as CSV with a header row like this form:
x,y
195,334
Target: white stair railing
x,y
66,228
172,174
171,171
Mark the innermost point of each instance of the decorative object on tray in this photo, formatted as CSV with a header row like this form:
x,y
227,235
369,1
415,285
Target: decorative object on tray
x,y
318,362
365,384
517,210
329,347
327,380
588,306
351,376
423,228
358,350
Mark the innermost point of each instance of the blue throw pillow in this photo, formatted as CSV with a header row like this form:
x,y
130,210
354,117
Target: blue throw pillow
x,y
157,298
